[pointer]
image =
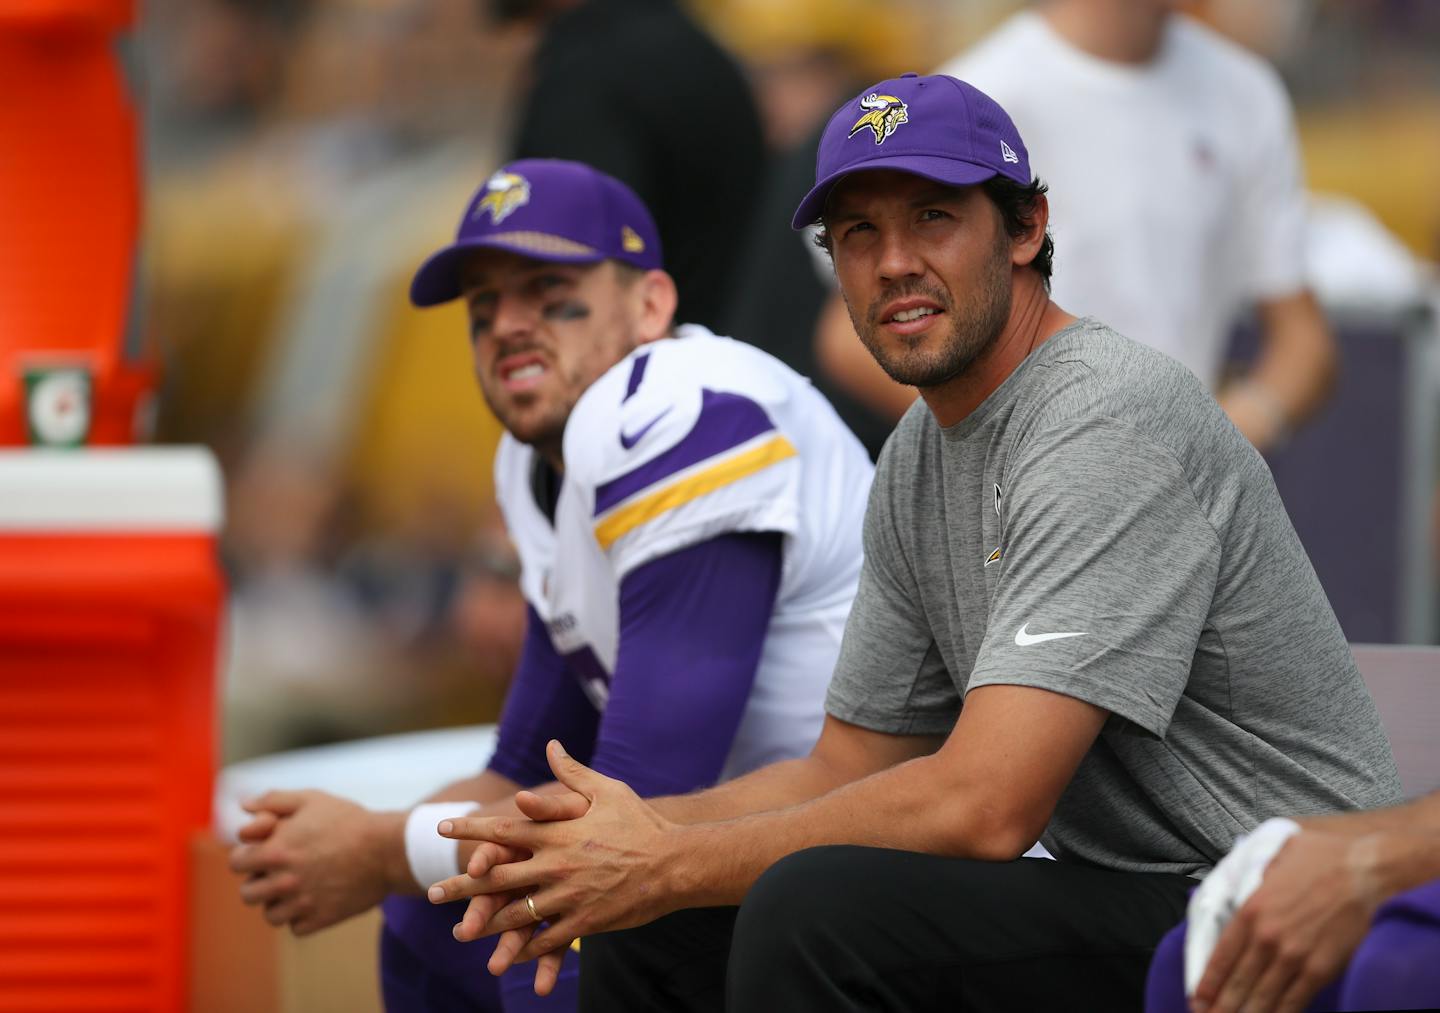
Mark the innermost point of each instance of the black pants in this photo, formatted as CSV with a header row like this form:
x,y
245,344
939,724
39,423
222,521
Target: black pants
x,y
847,928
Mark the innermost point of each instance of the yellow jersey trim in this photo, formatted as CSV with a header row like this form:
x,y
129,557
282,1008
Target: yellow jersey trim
x,y
627,518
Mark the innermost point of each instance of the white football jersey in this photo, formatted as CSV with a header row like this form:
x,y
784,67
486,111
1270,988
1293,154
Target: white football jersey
x,y
686,439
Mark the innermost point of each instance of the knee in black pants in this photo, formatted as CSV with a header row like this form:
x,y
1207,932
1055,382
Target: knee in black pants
x,y
795,930
852,928
673,965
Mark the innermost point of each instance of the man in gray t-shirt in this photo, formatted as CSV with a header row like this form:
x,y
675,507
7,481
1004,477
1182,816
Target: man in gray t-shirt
x,y
1098,528
1083,615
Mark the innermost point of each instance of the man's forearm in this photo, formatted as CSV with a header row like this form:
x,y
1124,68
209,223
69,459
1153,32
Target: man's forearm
x,y
974,798
1294,374
1421,817
845,752
777,786
1399,860
915,806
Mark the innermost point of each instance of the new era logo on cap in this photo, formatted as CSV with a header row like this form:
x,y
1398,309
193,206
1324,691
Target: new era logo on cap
x,y
936,127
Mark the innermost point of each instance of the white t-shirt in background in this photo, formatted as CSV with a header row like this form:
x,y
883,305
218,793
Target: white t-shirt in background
x,y
1176,197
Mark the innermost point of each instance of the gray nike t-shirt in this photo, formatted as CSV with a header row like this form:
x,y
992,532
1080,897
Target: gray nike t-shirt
x,y
1098,528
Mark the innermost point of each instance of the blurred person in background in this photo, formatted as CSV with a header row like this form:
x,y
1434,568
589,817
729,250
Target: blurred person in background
x,y
1180,199
488,607
804,57
339,633
687,513
220,69
636,89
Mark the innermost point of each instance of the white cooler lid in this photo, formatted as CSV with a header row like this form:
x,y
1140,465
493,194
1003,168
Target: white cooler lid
x,y
110,489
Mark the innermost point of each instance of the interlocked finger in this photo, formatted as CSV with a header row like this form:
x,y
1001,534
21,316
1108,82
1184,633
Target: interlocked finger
x,y
259,828
269,888
250,858
475,923
509,831
488,855
552,938
549,808
547,971
507,947
283,912
517,915
455,888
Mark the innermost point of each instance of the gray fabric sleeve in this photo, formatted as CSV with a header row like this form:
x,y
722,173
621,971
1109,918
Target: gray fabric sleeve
x,y
890,676
1104,543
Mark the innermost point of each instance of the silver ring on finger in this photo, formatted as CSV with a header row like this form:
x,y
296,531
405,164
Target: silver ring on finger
x,y
530,903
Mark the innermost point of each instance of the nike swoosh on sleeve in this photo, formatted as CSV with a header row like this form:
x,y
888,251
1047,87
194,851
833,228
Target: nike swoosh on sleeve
x,y
628,440
1023,639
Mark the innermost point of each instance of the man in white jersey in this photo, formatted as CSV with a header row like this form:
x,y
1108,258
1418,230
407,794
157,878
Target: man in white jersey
x,y
687,512
1177,194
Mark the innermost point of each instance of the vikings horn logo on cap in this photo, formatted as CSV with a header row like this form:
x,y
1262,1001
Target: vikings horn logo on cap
x,y
883,113
504,193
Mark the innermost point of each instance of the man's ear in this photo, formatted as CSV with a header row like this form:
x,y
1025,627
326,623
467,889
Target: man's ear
x,y
656,298
1024,247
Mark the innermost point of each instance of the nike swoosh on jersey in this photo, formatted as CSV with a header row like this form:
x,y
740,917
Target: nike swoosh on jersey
x,y
628,440
1023,639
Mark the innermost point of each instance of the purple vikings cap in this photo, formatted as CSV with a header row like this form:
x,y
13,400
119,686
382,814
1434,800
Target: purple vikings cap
x,y
935,126
544,208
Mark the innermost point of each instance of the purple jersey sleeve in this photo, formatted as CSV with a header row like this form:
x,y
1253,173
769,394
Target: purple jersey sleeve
x,y
545,702
692,626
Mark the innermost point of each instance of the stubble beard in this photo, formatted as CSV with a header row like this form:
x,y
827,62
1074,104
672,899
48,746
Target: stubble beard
x,y
545,432
972,332
542,426
536,419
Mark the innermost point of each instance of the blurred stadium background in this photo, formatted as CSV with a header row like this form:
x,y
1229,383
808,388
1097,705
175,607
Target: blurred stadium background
x,y
297,159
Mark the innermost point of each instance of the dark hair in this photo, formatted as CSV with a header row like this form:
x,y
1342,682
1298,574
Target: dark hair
x,y
1016,205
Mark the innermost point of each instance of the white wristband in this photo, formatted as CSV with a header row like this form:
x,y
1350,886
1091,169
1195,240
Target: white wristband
x,y
432,857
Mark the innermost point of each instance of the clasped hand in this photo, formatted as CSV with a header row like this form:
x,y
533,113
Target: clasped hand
x,y
589,861
310,859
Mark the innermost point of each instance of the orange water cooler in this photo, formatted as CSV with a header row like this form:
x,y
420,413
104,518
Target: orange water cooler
x,y
72,369
110,604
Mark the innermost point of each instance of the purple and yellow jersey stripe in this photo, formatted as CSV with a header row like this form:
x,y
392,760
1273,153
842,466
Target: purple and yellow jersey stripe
x,y
732,439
